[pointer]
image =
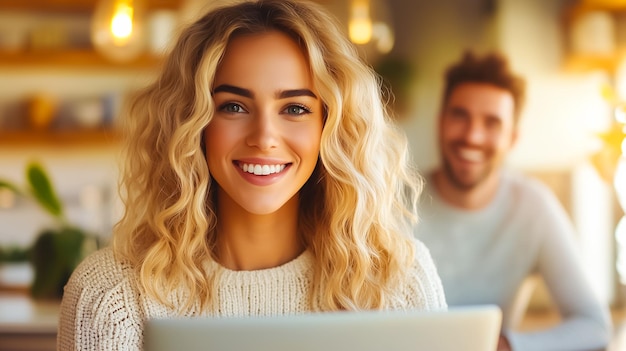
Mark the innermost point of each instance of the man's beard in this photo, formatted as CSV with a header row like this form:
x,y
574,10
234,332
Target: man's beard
x,y
459,183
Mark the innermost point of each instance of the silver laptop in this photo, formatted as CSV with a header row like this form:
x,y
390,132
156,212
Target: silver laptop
x,y
473,328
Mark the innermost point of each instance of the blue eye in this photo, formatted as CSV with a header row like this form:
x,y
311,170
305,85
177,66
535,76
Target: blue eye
x,y
232,107
296,110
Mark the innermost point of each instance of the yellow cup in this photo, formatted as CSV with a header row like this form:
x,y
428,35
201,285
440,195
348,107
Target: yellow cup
x,y
41,111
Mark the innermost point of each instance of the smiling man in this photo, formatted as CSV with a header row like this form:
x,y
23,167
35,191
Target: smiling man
x,y
489,227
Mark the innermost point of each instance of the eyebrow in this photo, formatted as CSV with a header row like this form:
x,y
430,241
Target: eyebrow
x,y
247,93
457,110
465,112
233,89
296,92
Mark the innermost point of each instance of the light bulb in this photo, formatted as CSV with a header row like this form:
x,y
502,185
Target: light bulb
x,y
117,29
122,24
369,26
360,24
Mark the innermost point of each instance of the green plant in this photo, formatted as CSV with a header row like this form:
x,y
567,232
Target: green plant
x,y
58,250
14,254
397,76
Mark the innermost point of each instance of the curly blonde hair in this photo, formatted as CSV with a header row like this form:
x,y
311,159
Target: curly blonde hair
x,y
357,209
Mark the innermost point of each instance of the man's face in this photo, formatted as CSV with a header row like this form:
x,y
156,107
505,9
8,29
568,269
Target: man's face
x,y
476,131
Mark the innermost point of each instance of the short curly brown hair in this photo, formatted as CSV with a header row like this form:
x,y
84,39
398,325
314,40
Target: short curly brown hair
x,y
492,68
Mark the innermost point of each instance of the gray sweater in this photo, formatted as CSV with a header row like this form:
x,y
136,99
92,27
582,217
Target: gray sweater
x,y
483,257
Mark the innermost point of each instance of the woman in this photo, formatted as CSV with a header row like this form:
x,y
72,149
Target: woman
x,y
262,178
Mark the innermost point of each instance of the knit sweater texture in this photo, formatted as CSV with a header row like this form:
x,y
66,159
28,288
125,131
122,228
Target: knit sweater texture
x,y
103,307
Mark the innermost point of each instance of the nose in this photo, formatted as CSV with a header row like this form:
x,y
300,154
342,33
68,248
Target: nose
x,y
475,132
264,131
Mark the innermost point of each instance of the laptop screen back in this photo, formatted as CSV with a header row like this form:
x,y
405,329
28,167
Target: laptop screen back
x,y
460,328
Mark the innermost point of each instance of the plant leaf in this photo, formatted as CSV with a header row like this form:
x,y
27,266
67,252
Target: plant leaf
x,y
8,185
43,191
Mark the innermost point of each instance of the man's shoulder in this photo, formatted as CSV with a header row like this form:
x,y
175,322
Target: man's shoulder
x,y
527,186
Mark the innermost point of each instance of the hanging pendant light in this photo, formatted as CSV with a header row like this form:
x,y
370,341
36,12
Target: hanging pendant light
x,y
360,23
117,29
370,26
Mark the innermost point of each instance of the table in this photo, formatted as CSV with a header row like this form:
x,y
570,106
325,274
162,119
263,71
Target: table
x,y
26,324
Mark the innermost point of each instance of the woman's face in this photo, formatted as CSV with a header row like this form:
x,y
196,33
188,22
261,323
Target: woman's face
x,y
264,139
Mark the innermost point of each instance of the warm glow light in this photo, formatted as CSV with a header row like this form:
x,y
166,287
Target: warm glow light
x,y
360,24
122,23
619,176
620,114
370,28
117,28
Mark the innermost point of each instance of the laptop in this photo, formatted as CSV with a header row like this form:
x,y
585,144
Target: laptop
x,y
474,328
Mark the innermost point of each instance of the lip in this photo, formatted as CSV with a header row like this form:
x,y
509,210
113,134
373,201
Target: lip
x,y
262,180
466,154
260,161
470,156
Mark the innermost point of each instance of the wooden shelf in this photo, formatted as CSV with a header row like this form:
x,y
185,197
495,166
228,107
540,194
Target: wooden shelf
x,y
73,59
75,5
96,137
575,62
585,63
604,5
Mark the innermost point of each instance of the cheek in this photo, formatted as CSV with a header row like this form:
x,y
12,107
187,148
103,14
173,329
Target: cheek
x,y
218,140
501,137
306,140
449,131
505,142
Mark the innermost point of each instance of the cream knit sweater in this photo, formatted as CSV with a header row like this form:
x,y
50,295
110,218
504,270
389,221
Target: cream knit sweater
x,y
103,309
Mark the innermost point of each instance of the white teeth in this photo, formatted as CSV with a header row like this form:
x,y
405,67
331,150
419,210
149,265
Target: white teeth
x,y
472,155
261,169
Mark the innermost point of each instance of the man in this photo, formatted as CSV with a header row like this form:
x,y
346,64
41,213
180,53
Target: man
x,y
489,228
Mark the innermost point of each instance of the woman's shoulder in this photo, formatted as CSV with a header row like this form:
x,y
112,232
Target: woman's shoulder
x,y
101,306
99,285
424,284
100,271
423,263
